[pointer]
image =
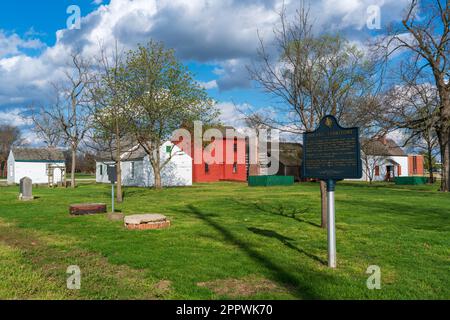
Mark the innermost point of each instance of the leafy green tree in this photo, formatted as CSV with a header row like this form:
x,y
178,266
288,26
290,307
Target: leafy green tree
x,y
164,97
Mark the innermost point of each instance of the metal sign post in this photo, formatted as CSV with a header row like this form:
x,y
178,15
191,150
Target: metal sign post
x,y
331,153
331,234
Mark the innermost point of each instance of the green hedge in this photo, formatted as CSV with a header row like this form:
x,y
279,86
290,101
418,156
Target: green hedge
x,y
411,180
267,181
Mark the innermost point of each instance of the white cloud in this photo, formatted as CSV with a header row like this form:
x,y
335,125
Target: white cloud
x,y
11,44
223,33
208,85
230,114
14,117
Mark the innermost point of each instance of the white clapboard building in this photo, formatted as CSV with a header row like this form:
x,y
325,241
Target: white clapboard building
x,y
41,165
383,160
137,170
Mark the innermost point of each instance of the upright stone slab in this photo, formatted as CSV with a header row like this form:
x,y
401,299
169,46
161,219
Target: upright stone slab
x,y
26,189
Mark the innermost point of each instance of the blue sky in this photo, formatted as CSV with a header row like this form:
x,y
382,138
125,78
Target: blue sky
x,y
216,39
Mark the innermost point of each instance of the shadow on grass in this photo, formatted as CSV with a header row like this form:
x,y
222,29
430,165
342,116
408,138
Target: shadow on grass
x,y
287,212
392,186
406,215
285,240
290,282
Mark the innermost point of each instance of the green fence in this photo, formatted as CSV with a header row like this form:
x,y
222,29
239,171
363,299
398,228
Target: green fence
x,y
411,180
267,181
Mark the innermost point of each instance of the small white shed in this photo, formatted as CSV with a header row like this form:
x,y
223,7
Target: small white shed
x,y
37,164
137,170
384,160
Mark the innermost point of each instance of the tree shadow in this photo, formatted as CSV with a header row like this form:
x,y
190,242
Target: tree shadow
x,y
290,282
280,210
285,240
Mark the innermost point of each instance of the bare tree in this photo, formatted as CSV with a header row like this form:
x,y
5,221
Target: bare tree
x,y
109,134
309,76
423,40
67,113
10,136
44,126
414,107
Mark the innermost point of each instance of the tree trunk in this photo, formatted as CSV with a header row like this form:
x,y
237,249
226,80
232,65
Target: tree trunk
x,y
119,195
444,145
158,184
323,196
444,132
445,155
157,169
74,159
430,166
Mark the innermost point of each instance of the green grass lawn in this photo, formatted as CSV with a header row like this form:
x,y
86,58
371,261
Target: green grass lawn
x,y
82,176
228,241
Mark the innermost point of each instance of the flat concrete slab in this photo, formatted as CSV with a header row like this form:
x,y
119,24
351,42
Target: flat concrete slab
x,y
146,221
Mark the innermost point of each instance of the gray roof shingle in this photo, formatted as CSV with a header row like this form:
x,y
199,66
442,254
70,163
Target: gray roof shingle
x,y
383,147
38,154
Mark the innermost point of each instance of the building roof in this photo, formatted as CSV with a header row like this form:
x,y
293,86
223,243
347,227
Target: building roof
x,y
134,154
38,154
383,147
128,154
290,153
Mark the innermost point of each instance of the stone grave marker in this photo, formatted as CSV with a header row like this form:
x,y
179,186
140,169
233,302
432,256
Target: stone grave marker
x,y
26,189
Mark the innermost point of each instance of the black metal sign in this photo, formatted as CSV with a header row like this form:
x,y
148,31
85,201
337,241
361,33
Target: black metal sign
x,y
112,174
332,152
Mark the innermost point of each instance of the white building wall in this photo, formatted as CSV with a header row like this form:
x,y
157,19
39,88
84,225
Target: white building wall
x,y
36,171
10,168
402,161
178,172
136,179
101,175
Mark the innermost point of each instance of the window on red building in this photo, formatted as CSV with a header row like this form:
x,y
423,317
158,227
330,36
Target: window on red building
x,y
235,167
206,168
414,165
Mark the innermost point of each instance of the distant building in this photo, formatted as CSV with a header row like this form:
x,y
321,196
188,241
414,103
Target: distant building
x,y
289,156
229,155
138,172
41,165
383,160
416,165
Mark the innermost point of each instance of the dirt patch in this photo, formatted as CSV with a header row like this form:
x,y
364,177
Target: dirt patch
x,y
241,287
163,286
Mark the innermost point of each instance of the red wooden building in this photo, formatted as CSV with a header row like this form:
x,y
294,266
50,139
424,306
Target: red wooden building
x,y
415,165
222,159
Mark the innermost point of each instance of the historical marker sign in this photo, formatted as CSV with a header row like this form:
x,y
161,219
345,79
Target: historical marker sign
x,y
112,174
332,152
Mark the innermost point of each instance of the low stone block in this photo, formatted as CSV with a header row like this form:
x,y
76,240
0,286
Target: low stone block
x,y
87,208
146,222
